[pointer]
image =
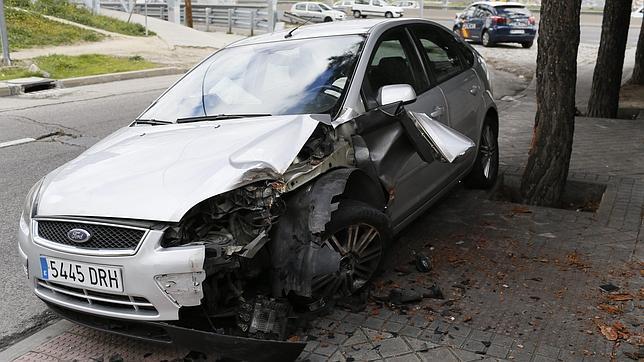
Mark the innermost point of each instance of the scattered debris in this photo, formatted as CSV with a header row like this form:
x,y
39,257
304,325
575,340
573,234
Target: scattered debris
x,y
548,235
521,210
403,296
609,288
423,264
575,260
609,309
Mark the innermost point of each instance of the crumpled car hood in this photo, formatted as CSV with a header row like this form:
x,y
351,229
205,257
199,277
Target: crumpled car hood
x,y
160,172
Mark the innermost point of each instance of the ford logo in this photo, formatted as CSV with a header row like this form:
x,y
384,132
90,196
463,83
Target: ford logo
x,y
79,235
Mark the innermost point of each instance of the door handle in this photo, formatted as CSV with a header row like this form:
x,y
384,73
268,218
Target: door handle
x,y
474,90
438,112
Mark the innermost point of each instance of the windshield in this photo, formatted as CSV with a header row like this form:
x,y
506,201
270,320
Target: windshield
x,y
305,76
325,6
512,10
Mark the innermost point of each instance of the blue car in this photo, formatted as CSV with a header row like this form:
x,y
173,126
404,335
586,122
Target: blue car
x,y
492,22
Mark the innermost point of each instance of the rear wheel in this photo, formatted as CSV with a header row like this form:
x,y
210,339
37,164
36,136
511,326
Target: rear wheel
x,y
359,234
388,14
486,167
527,45
485,39
356,14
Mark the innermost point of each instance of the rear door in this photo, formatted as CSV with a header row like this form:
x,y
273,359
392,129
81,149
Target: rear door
x,y
408,179
453,73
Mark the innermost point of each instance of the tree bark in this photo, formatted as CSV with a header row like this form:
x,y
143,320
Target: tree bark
x,y
607,78
546,172
638,70
188,13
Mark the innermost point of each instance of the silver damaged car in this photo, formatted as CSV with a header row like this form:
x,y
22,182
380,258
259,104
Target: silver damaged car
x,y
263,186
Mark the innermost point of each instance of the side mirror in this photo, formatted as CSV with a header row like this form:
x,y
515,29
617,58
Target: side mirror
x,y
396,93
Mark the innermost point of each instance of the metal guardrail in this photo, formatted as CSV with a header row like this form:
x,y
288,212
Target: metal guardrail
x,y
251,17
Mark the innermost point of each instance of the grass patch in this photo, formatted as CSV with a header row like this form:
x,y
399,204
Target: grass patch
x,y
7,73
65,66
79,14
28,30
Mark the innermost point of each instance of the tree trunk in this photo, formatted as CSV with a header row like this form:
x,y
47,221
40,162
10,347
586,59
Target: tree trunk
x,y
638,70
188,13
607,78
545,176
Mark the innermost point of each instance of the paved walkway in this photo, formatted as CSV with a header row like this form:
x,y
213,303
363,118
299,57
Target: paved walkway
x,y
520,283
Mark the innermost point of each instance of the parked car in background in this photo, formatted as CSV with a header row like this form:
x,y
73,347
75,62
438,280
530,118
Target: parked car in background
x,y
497,22
638,13
317,12
263,186
364,8
345,6
406,4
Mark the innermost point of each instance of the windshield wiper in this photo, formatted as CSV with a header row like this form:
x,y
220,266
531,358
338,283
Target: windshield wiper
x,y
153,122
218,117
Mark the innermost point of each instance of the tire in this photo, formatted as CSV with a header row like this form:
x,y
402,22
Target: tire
x,y
486,167
527,45
485,39
356,14
328,20
388,14
362,260
364,16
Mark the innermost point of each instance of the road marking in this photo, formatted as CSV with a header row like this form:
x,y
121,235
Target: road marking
x,y
16,142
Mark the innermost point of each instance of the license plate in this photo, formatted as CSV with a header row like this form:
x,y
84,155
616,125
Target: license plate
x,y
517,31
92,276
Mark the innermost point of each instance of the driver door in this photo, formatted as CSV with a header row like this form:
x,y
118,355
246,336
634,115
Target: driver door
x,y
314,11
409,180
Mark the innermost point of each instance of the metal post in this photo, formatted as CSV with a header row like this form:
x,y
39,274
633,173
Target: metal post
x,y
252,22
230,21
421,3
272,15
207,19
6,60
145,10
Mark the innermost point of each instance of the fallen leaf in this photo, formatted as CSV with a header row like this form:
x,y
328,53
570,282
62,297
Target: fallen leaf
x,y
293,338
609,309
467,319
622,297
521,210
609,332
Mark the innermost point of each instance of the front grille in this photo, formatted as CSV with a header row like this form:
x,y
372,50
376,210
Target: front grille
x,y
102,236
98,300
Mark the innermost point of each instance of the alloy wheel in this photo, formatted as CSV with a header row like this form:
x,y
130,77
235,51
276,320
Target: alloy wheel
x,y
488,150
360,248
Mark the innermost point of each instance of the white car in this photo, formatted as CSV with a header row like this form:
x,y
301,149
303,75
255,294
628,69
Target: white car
x,y
638,13
405,4
363,8
344,5
316,11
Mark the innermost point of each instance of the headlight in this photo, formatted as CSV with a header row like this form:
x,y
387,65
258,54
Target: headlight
x,y
30,206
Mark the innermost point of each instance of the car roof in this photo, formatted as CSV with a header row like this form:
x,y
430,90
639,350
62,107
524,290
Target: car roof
x,y
335,28
498,3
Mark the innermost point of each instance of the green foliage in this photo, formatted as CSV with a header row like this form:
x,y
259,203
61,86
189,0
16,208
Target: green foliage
x,y
16,72
78,14
28,30
65,66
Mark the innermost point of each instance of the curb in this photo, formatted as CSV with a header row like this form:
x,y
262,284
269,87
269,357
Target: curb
x,y
113,77
29,343
15,89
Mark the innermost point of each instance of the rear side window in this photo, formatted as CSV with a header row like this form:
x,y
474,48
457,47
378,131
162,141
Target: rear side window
x,y
441,52
509,10
300,7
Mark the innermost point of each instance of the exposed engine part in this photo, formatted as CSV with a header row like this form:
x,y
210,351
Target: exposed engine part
x,y
264,318
234,218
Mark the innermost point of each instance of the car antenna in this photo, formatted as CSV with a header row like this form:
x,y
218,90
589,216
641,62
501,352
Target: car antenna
x,y
290,33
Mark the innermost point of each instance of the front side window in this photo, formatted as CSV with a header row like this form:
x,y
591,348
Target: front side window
x,y
391,63
305,76
325,6
441,52
315,7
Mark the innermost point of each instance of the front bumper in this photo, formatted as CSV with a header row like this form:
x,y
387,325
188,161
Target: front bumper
x,y
239,348
142,299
